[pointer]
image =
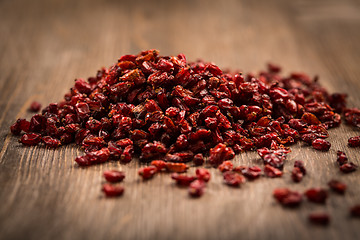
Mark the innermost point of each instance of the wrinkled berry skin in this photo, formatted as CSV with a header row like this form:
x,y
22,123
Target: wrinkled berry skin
x,y
220,153
354,141
31,139
321,144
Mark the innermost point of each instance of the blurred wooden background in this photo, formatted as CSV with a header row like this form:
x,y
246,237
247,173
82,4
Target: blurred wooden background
x,y
45,45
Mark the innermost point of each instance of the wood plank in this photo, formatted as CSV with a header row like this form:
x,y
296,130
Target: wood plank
x,y
45,45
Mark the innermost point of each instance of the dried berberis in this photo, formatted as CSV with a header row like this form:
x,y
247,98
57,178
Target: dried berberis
x,y
319,218
317,195
112,190
163,107
114,176
175,114
287,197
337,186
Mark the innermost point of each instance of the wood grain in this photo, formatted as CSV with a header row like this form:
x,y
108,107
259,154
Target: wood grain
x,y
45,45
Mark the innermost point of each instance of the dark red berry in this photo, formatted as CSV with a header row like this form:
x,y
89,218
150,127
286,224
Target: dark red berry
x,y
82,161
316,195
287,198
20,125
300,164
147,172
233,179
159,164
198,159
354,141
321,144
112,190
170,111
296,174
252,173
341,158
203,174
176,167
319,218
197,188
355,211
272,172
220,153
183,180
30,139
225,166
348,167
114,176
337,186
35,106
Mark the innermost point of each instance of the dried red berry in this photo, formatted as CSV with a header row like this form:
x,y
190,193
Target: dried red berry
x,y
321,144
354,141
220,153
233,179
112,190
341,158
316,195
20,125
165,108
35,106
197,188
272,172
352,116
337,186
275,160
183,180
319,218
348,167
310,119
252,173
30,139
296,174
51,142
355,211
300,164
99,156
287,198
198,159
83,161
176,167
114,176
147,172
159,164
225,166
203,174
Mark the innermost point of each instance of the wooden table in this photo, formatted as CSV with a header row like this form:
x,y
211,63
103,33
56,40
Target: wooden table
x,y
45,45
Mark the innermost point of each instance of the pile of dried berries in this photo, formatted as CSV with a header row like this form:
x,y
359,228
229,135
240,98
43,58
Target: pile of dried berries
x,y
167,111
